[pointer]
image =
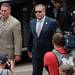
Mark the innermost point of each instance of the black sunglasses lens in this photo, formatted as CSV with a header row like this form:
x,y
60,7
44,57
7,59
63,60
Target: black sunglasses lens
x,y
38,11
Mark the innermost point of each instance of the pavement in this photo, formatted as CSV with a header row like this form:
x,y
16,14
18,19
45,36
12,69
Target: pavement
x,y
26,69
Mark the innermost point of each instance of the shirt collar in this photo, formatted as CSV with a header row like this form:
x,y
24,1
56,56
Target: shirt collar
x,y
42,20
62,50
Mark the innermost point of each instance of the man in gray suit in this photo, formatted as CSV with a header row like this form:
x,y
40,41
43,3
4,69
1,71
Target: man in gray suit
x,y
10,34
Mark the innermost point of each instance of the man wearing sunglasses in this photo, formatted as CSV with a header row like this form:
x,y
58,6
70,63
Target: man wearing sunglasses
x,y
42,29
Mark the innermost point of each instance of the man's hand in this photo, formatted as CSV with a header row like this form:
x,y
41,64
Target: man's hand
x,y
17,58
30,54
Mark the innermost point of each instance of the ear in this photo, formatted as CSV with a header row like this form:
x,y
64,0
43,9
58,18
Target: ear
x,y
52,41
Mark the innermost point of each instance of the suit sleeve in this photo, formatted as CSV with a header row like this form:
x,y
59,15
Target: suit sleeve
x,y
30,42
55,26
51,62
17,38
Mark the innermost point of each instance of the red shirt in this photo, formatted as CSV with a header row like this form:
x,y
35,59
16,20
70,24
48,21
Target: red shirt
x,y
51,61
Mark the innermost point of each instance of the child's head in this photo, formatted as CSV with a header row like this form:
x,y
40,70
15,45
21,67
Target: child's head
x,y
66,70
3,58
58,39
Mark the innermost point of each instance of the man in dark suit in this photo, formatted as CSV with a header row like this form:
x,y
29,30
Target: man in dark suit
x,y
42,28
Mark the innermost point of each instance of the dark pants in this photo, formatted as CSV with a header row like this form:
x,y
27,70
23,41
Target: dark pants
x,y
37,66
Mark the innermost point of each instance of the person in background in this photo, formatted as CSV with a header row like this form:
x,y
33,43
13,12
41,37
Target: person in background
x,y
59,56
3,63
42,30
62,15
66,70
72,28
10,34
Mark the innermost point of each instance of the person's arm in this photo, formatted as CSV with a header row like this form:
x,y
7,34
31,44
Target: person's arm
x,y
30,45
11,70
17,40
12,67
30,41
51,62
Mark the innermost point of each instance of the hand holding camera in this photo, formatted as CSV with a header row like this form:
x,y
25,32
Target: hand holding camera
x,y
9,65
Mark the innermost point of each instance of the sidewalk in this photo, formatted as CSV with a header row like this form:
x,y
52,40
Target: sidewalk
x,y
26,69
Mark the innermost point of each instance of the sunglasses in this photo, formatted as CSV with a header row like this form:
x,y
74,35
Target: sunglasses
x,y
38,11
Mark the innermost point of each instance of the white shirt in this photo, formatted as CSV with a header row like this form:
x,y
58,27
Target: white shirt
x,y
39,25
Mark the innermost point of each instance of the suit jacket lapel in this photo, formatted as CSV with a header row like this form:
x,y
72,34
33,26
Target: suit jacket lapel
x,y
1,28
5,27
45,25
34,27
7,23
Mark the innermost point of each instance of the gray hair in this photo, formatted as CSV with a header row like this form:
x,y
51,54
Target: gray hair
x,y
41,5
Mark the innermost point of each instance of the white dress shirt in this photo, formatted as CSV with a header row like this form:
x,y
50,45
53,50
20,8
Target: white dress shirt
x,y
39,25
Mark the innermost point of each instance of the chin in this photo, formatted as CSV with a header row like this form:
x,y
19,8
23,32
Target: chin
x,y
39,18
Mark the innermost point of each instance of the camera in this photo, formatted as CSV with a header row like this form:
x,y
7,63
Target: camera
x,y
8,65
69,41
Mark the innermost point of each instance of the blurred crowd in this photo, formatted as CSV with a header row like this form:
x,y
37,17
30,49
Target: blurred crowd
x,y
46,44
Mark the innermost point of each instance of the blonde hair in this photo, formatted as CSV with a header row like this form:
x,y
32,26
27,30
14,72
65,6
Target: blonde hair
x,y
67,69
